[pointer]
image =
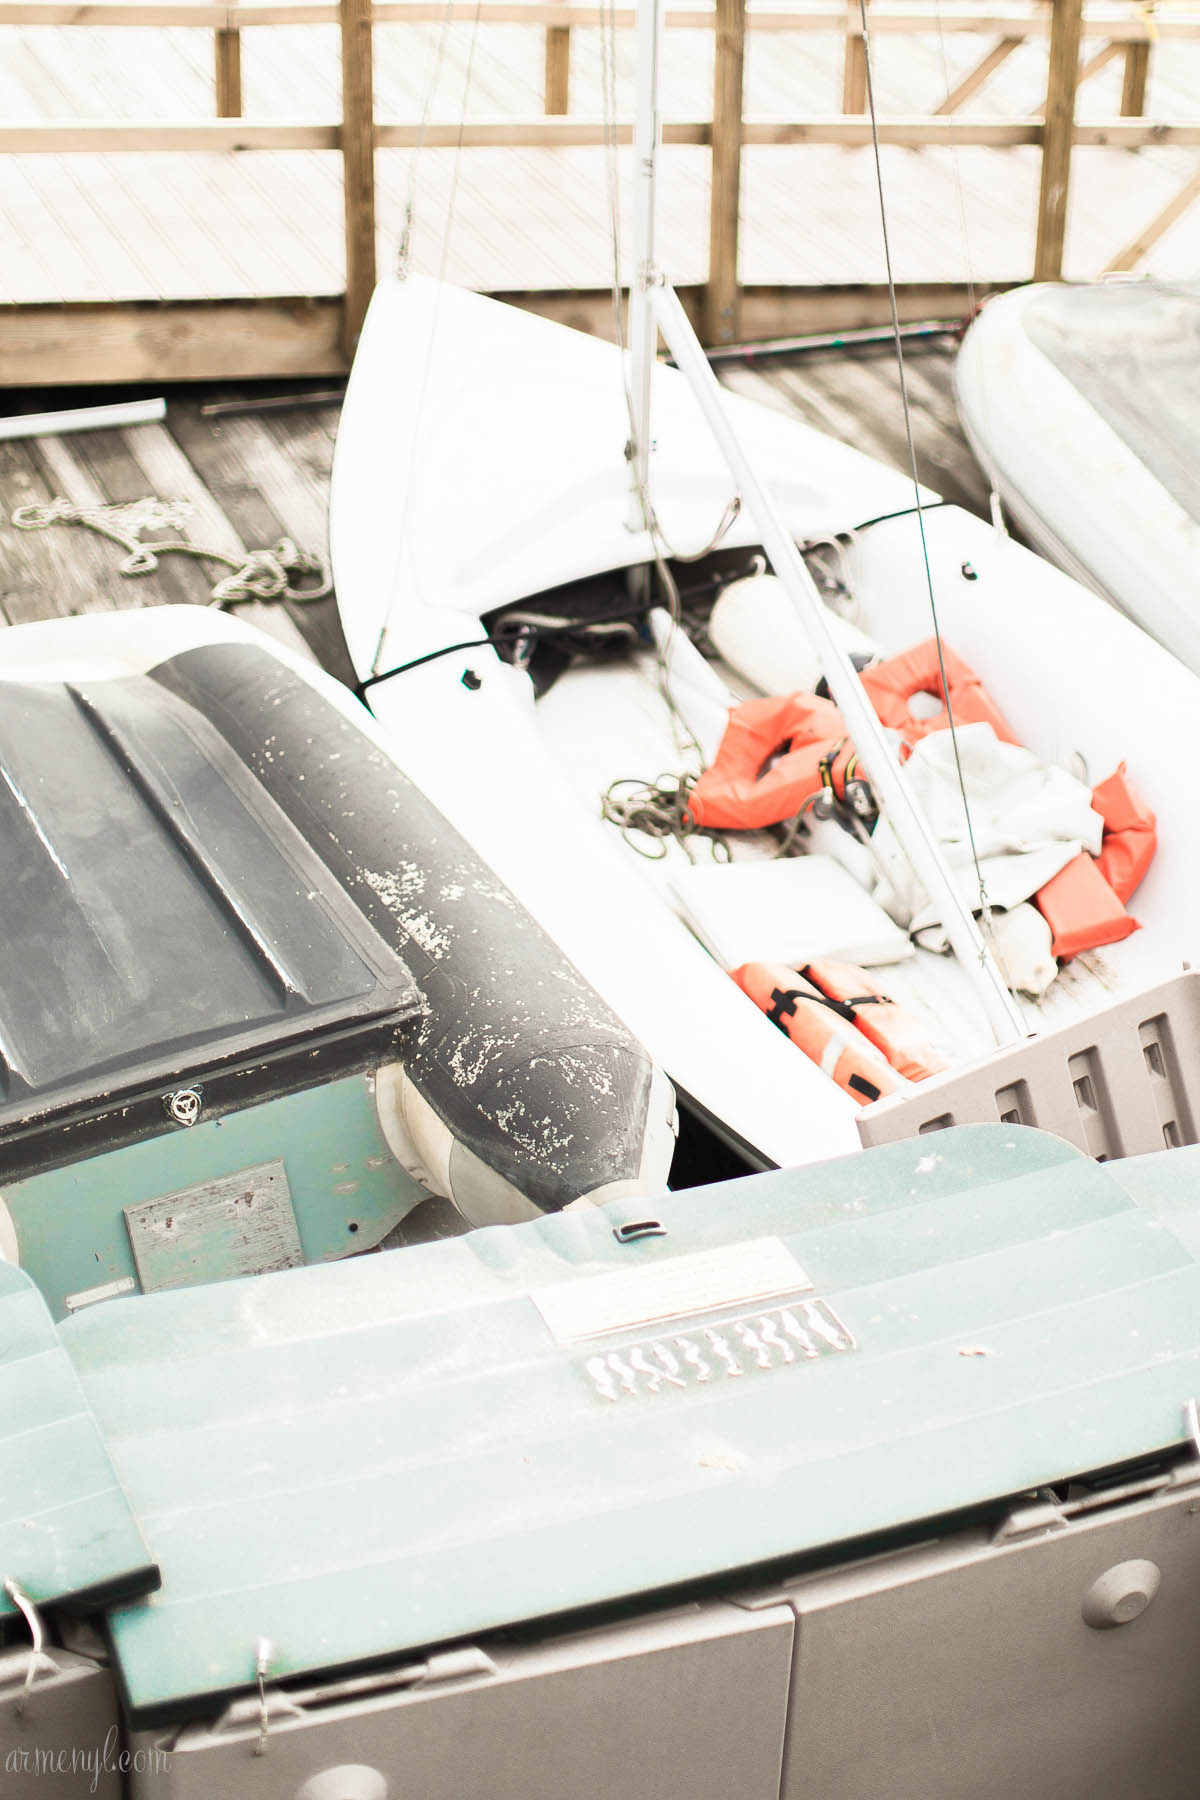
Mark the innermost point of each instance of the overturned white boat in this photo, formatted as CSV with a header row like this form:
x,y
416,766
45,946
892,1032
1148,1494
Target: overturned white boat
x,y
1082,403
487,555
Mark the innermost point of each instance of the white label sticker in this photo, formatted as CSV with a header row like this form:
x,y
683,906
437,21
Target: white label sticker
x,y
596,1304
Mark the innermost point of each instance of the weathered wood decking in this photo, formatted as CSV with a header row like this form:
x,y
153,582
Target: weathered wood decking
x,y
264,228
252,477
186,225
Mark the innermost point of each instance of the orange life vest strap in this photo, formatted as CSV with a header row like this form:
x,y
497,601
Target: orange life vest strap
x,y
901,1037
816,1027
892,684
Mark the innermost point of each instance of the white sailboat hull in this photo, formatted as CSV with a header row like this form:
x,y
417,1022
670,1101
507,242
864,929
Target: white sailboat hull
x,y
451,497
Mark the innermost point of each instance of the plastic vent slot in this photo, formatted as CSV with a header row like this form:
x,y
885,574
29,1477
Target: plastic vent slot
x,y
1124,1082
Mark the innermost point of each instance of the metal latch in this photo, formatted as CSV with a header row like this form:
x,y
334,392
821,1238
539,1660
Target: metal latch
x,y
271,1704
1030,1518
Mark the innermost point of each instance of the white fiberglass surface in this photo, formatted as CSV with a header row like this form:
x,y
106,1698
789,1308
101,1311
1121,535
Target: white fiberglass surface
x,y
1050,656
605,724
481,458
514,483
1080,685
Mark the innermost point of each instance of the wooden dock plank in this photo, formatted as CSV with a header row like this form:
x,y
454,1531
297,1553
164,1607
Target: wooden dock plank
x,y
31,586
119,480
66,568
169,474
245,466
80,570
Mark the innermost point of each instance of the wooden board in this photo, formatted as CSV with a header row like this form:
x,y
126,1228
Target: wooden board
x,y
65,568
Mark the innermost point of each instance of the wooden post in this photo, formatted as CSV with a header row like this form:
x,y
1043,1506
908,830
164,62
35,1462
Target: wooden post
x,y
558,68
1133,88
228,61
1062,79
722,307
358,165
854,70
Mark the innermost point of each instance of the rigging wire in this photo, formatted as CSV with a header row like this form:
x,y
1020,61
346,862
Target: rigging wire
x,y
973,301
456,165
661,550
403,261
608,107
415,161
685,738
919,504
956,166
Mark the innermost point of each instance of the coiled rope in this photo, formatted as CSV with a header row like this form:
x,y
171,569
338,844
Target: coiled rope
x,y
659,811
256,574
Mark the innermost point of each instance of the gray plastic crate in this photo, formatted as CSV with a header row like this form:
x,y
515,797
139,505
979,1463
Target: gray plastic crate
x,y
1124,1082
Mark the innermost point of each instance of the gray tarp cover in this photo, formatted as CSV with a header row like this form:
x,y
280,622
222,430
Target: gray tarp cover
x,y
1133,352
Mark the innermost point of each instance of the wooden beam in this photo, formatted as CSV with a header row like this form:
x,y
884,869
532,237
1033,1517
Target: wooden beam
x,y
1132,254
1133,88
1056,144
970,83
1136,134
57,137
854,63
530,134
358,165
722,324
118,343
85,345
912,133
228,70
558,68
215,15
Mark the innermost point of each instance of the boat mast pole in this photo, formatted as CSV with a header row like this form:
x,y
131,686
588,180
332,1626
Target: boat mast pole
x,y
643,329
883,767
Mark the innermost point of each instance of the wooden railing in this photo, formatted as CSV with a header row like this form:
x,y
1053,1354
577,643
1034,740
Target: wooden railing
x,y
358,133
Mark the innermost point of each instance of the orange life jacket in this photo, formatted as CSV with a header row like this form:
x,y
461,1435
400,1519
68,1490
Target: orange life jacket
x,y
774,755
778,753
1130,838
1084,903
818,1029
901,1037
892,684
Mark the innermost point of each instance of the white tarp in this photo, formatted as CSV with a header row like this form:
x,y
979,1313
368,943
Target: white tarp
x,y
1028,819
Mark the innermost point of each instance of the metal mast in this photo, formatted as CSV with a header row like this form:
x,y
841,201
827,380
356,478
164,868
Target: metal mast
x,y
654,306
